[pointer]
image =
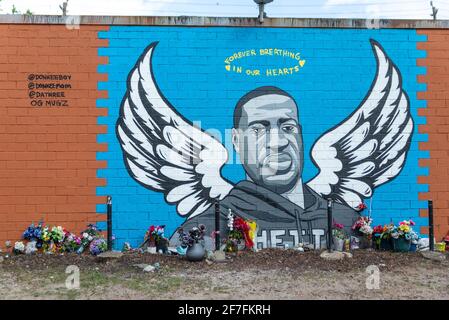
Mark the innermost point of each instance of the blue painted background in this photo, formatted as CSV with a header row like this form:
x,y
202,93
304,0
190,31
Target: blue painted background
x,y
189,68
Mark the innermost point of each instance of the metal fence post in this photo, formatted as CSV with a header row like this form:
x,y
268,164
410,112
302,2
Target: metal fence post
x,y
329,225
217,225
431,231
109,222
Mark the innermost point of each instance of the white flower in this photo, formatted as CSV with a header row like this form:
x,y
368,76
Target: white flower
x,y
90,238
366,229
19,246
85,235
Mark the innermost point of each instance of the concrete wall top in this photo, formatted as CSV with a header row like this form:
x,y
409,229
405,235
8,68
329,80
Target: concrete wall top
x,y
224,21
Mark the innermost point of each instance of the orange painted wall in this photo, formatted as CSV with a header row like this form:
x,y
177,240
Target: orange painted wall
x,y
437,125
48,154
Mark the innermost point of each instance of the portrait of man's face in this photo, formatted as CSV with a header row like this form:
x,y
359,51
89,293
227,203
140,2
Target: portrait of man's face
x,y
267,136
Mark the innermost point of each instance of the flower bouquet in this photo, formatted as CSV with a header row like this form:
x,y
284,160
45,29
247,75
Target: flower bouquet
x,y
382,237
56,239
87,236
71,242
57,235
19,247
363,227
338,236
47,243
191,240
241,234
34,234
403,236
98,246
155,237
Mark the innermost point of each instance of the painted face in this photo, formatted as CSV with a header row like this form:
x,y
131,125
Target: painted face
x,y
269,142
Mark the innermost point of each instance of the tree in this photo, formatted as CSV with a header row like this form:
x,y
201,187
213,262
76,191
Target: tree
x,y
15,11
63,7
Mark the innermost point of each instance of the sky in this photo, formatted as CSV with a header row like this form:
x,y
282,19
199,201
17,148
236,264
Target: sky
x,y
393,9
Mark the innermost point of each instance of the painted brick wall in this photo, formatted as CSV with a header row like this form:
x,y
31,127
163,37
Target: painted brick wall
x,y
189,67
437,125
47,154
59,163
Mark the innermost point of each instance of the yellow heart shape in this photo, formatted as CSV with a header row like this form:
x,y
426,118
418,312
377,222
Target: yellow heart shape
x,y
302,62
228,67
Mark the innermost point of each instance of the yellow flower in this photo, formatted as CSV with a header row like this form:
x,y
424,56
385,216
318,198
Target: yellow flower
x,y
404,228
252,232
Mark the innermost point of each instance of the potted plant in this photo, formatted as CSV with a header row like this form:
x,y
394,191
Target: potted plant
x,y
402,236
362,227
382,237
34,234
338,236
155,238
191,240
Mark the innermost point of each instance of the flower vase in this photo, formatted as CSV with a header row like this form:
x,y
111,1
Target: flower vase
x,y
162,245
401,245
339,244
413,247
80,249
365,242
385,244
195,252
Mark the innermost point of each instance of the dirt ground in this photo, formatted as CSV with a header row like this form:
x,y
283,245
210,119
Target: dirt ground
x,y
267,274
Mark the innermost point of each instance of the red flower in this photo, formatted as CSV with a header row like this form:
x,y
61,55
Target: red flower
x,y
241,225
361,206
338,226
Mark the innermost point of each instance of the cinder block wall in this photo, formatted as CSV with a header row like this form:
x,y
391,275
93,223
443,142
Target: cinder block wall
x,y
48,159
437,124
59,162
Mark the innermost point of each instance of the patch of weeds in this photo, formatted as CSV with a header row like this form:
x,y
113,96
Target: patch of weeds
x,y
93,279
72,294
168,283
159,284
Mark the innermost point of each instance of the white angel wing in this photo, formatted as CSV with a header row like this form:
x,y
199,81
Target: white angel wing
x,y
163,151
369,147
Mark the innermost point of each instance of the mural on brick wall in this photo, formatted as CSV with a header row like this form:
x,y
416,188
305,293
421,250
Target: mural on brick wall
x,y
165,152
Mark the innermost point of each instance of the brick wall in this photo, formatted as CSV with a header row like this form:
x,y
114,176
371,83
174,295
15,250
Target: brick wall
x,y
437,126
58,163
48,154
